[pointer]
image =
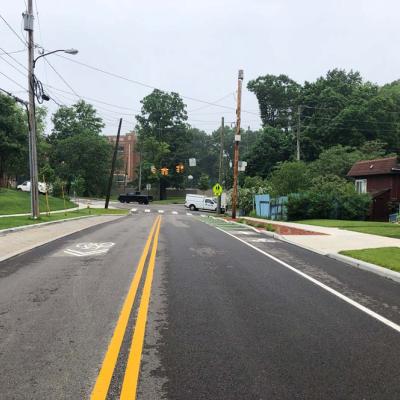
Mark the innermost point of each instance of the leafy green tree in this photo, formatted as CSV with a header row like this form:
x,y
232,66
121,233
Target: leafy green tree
x,y
289,177
74,120
85,155
13,138
204,182
270,147
164,135
277,97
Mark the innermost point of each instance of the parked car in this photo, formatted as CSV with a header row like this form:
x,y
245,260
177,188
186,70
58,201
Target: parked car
x,y
135,197
26,187
200,202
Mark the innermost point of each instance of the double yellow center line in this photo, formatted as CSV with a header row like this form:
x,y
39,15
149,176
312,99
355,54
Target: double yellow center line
x,y
131,376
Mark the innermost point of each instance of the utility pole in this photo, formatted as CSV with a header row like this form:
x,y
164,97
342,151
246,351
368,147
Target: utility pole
x,y
110,181
140,169
237,140
221,155
28,26
298,133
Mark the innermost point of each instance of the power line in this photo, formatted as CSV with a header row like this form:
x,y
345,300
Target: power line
x,y
15,33
147,85
14,59
216,101
61,77
12,65
12,80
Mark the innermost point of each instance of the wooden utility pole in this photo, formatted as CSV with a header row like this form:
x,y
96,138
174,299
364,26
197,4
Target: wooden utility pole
x,y
221,156
28,26
110,181
237,140
298,133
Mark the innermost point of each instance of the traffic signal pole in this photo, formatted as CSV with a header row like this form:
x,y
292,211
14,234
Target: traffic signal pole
x,y
237,140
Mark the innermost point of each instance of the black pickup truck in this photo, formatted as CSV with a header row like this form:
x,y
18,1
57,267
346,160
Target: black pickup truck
x,y
135,198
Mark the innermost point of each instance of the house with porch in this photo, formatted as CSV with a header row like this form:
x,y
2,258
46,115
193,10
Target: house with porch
x,y
381,179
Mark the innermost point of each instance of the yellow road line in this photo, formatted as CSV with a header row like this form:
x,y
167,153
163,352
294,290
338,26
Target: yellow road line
x,y
104,378
129,386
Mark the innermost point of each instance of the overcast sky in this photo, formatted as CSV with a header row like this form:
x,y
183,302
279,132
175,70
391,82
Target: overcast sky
x,y
196,48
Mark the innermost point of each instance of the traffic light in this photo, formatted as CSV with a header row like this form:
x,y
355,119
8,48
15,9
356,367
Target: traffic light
x,y
179,168
164,171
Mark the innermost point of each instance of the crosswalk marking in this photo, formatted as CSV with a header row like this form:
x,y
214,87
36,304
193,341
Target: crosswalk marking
x,y
161,211
147,210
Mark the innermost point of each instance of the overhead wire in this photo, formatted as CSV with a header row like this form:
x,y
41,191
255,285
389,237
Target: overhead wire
x,y
136,82
12,29
12,80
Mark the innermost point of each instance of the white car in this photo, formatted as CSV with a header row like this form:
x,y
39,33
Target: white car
x,y
26,187
199,202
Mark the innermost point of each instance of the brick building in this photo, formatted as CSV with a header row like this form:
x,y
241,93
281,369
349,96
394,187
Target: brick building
x,y
381,179
127,156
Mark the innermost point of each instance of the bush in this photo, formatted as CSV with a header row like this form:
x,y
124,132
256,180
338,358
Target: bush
x,y
57,187
329,198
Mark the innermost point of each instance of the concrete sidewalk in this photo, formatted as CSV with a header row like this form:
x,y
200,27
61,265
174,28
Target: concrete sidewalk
x,y
17,242
334,240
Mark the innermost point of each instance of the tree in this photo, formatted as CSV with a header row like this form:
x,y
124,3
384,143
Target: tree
x,y
277,98
164,136
79,118
86,156
336,110
13,138
204,182
270,147
289,177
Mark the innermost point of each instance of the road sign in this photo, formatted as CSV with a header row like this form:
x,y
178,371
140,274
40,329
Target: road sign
x,y
148,186
192,162
217,189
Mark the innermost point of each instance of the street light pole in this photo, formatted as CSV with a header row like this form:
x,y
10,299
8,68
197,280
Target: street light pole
x,y
33,169
28,18
237,140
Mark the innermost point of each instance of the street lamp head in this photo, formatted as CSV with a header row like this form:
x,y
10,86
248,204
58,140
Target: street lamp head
x,y
71,51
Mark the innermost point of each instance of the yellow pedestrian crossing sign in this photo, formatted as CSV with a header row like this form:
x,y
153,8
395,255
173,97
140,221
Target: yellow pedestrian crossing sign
x,y
217,189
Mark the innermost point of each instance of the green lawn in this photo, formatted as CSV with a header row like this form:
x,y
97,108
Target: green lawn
x,y
12,222
17,202
171,200
388,257
375,228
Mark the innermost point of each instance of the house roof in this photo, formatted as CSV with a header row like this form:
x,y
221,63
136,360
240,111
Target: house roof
x,y
379,166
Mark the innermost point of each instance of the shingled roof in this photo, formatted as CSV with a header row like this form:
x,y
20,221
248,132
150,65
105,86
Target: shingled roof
x,y
379,166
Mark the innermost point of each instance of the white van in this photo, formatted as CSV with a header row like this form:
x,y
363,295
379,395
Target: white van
x,y
26,187
200,202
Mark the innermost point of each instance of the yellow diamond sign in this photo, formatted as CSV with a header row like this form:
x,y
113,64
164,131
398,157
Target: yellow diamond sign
x,y
217,189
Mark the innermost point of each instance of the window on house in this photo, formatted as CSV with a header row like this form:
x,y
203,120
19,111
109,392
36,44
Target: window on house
x,y
361,185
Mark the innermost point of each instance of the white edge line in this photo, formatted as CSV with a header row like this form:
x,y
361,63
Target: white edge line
x,y
371,313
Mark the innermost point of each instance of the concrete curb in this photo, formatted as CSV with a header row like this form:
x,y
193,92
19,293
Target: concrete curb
x,y
42,243
4,232
376,269
43,212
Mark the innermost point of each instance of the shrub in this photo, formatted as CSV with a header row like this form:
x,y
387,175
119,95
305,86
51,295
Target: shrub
x,y
329,198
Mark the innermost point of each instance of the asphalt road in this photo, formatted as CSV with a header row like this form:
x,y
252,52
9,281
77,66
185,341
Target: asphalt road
x,y
200,310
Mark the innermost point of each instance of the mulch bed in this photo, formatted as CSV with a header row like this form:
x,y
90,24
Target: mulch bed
x,y
279,229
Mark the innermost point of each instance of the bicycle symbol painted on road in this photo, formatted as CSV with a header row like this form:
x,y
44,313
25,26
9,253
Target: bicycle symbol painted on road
x,y
89,249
